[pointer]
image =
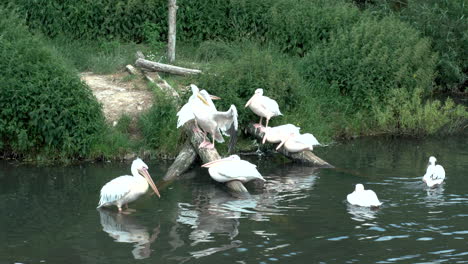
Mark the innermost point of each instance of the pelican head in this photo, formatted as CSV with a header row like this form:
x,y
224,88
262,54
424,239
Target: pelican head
x,y
432,160
139,168
196,92
259,91
220,161
359,188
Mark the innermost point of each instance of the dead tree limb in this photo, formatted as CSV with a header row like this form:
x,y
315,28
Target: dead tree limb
x,y
186,157
161,67
304,157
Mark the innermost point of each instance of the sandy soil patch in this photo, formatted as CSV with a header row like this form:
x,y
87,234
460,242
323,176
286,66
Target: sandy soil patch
x,y
119,95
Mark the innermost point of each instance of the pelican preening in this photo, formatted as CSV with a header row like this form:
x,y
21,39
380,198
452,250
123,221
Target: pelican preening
x,y
125,189
295,142
361,197
435,174
275,134
263,106
232,168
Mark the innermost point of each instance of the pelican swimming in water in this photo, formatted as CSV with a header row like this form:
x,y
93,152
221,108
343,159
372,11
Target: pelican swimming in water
x,y
200,99
435,174
215,122
125,189
232,168
298,142
275,134
263,106
361,197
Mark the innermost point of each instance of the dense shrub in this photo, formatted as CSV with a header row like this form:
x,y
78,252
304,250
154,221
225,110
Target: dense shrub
x,y
252,67
445,23
362,64
298,26
43,105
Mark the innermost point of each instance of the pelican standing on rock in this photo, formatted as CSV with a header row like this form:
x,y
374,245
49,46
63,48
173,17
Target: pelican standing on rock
x,y
263,106
125,189
298,142
361,197
232,168
201,99
435,174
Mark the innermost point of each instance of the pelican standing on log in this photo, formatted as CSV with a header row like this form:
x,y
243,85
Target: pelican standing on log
x,y
298,142
435,174
125,189
263,106
215,122
201,98
232,168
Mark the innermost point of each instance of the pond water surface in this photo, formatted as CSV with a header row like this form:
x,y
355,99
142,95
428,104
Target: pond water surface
x,y
48,214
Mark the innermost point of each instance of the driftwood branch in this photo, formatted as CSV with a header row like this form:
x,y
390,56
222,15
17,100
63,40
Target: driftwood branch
x,y
181,164
161,67
304,157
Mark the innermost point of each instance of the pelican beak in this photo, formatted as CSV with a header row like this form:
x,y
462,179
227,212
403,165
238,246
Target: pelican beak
x,y
214,97
202,99
211,163
250,100
148,178
283,141
265,136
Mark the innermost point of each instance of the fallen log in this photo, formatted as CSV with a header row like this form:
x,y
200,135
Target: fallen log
x,y
304,157
161,67
181,164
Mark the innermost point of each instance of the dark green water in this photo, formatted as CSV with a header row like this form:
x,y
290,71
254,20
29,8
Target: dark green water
x,y
48,214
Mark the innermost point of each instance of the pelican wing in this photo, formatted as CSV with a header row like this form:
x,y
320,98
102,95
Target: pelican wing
x,y
270,104
308,139
227,124
185,114
238,170
116,189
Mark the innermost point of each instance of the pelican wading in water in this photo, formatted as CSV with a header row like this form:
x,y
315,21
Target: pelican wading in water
x,y
125,189
361,197
294,142
435,174
263,106
232,168
275,134
200,99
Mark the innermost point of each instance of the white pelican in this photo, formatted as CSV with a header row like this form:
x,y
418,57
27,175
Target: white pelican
x,y
298,142
125,189
215,123
275,134
435,174
201,98
263,106
232,168
362,197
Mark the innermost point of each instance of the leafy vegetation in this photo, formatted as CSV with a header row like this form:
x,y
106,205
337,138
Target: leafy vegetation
x,y
43,104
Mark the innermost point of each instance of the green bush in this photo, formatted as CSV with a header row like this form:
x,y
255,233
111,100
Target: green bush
x,y
445,23
43,105
299,26
361,65
405,114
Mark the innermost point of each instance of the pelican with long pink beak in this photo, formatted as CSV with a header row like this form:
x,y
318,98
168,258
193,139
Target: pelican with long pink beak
x,y
232,168
264,107
125,189
298,142
201,99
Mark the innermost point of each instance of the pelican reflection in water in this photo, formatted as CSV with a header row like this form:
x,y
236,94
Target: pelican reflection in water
x,y
126,229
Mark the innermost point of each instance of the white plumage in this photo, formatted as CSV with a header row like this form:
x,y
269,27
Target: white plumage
x,y
435,174
275,134
263,106
199,99
362,197
232,168
125,189
298,142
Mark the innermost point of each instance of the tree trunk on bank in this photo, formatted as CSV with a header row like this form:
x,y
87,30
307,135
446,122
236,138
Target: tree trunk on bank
x,y
305,157
161,67
171,42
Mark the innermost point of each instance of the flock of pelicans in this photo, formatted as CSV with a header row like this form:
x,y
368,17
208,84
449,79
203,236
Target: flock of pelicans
x,y
200,108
